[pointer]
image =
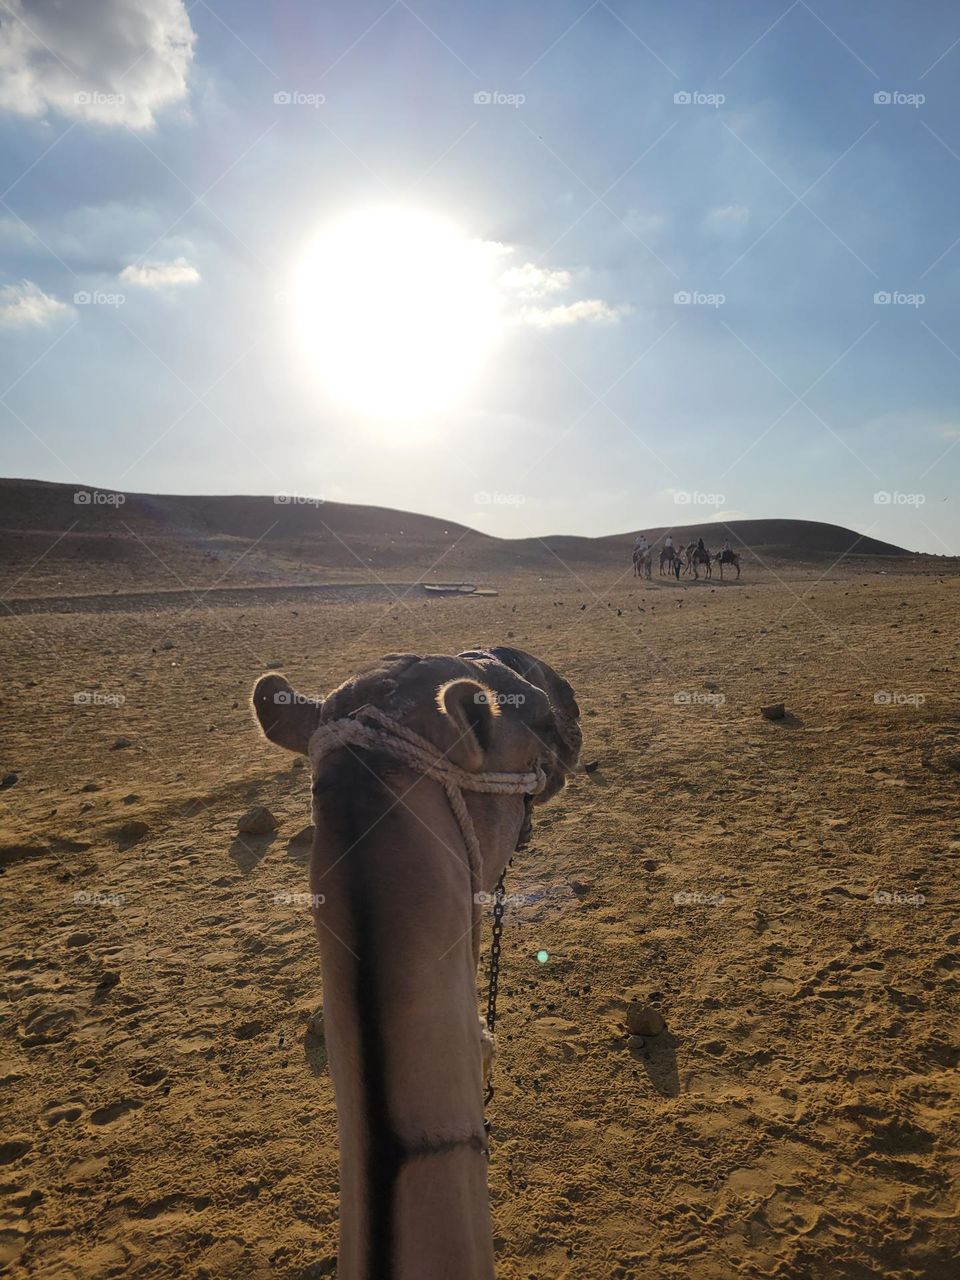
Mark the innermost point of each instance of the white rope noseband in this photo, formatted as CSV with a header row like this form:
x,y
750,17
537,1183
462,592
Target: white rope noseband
x,y
391,738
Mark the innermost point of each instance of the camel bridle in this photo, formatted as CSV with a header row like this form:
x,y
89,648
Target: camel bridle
x,y
372,729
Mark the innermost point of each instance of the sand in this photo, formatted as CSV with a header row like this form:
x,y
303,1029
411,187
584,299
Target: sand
x,y
785,893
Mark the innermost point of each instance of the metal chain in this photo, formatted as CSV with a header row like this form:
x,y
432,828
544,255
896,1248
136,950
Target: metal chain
x,y
494,971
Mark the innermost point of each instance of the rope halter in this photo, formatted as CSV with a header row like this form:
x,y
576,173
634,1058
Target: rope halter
x,y
391,738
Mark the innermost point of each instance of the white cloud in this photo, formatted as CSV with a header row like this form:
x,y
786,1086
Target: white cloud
x,y
159,274
111,62
531,281
588,311
729,217
726,516
524,287
26,306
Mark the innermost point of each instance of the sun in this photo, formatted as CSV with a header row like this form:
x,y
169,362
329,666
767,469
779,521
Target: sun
x,y
396,311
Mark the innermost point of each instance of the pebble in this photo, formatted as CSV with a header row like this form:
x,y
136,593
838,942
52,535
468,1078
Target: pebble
x,y
257,821
775,711
119,743
9,780
644,1020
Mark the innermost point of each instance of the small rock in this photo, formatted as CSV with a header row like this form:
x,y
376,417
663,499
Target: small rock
x,y
132,798
591,766
636,1042
91,786
9,780
315,1024
775,711
299,763
644,1020
274,666
257,821
120,743
168,644
107,980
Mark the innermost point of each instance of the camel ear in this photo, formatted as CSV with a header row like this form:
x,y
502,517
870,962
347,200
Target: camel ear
x,y
286,717
472,710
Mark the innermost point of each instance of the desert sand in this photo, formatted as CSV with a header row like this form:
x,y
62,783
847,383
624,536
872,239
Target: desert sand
x,y
784,892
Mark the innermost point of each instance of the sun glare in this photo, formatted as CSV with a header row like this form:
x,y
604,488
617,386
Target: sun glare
x,y
396,310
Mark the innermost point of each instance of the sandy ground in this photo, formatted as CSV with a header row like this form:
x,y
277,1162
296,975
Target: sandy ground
x,y
785,893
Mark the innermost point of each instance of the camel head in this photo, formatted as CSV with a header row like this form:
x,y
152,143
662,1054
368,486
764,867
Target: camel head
x,y
493,710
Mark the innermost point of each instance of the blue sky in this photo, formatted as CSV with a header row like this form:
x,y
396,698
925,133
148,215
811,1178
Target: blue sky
x,y
145,157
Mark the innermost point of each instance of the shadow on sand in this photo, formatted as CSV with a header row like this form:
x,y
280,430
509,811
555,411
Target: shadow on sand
x,y
248,851
659,1058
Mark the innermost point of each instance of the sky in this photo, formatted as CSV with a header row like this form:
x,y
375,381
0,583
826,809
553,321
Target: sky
x,y
566,268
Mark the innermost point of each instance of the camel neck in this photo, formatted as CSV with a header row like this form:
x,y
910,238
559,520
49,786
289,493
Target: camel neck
x,y
403,1035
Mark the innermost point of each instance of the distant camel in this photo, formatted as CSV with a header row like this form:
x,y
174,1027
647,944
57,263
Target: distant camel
x,y
697,557
666,558
425,771
642,563
728,557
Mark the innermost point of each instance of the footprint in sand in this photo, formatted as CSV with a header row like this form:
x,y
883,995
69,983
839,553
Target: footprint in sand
x,y
115,1111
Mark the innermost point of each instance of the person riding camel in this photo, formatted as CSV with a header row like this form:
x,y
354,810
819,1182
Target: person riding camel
x,y
641,544
700,546
668,542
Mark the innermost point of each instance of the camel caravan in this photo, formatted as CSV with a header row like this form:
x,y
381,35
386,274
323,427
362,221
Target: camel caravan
x,y
680,559
425,776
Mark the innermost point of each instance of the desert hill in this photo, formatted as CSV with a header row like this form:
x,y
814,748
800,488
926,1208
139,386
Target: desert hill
x,y
68,539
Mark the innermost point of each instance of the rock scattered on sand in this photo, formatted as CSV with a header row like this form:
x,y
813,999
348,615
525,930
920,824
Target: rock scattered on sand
x,y
299,763
257,821
315,1024
120,743
9,780
91,786
132,798
591,766
644,1020
274,666
775,711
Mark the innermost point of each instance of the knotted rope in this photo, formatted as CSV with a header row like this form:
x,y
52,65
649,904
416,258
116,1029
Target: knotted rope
x,y
391,738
